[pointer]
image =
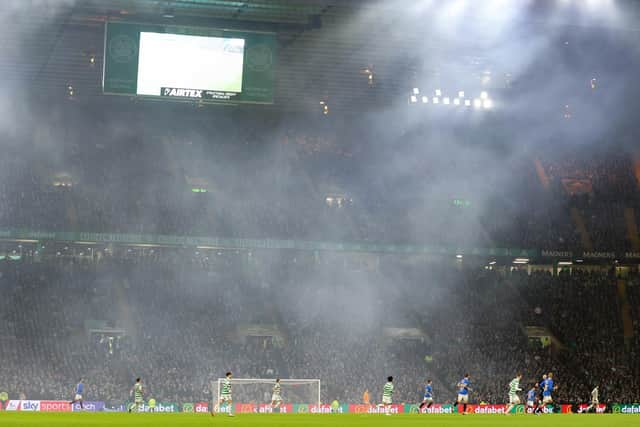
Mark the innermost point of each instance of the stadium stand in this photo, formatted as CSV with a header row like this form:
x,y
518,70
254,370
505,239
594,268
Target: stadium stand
x,y
179,346
86,191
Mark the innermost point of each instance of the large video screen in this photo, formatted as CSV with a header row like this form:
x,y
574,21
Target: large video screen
x,y
168,62
186,63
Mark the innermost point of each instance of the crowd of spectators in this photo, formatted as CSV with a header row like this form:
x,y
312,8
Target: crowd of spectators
x,y
610,174
263,180
301,212
607,186
173,340
182,323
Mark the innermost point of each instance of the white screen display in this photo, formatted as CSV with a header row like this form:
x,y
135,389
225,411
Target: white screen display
x,y
189,62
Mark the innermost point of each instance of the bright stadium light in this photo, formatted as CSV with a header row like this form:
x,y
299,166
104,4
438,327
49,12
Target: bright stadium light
x,y
456,101
425,100
446,101
477,103
459,256
436,100
414,99
416,91
484,95
487,104
467,103
438,92
461,94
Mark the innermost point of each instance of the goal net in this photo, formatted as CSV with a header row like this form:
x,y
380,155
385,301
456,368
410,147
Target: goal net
x,y
259,391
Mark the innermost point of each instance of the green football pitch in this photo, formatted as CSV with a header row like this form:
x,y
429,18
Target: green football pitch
x,y
159,420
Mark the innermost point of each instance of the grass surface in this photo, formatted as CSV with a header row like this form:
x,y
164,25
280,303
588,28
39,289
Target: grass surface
x,y
11,419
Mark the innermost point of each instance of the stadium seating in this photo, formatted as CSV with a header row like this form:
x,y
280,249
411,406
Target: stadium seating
x,y
284,178
178,344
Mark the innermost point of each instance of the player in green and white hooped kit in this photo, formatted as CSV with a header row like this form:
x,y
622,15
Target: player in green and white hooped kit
x,y
137,392
225,396
276,397
595,401
387,395
514,388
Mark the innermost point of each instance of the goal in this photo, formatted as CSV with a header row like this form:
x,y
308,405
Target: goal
x,y
259,390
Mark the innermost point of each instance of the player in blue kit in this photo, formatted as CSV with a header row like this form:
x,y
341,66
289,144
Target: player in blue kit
x,y
79,393
463,393
541,385
547,394
531,398
427,400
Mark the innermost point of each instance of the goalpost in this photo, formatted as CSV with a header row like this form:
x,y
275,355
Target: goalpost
x,y
259,390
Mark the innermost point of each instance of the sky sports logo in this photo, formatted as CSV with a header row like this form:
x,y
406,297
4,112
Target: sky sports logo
x,y
55,406
23,405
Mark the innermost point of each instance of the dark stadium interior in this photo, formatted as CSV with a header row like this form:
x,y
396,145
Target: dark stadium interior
x,y
350,230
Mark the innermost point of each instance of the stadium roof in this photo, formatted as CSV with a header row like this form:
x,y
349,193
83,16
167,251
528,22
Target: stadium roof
x,y
323,55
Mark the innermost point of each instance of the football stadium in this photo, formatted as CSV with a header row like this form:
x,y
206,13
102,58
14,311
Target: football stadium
x,y
319,213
